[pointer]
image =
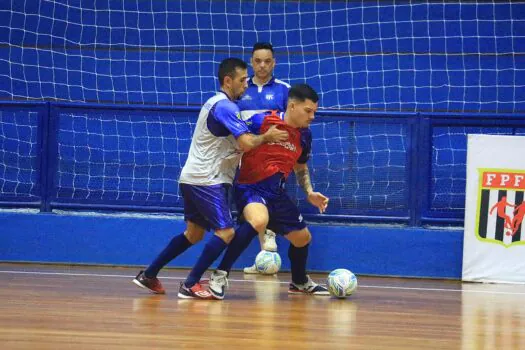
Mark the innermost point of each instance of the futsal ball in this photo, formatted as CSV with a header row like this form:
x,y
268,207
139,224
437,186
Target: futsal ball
x,y
268,263
341,283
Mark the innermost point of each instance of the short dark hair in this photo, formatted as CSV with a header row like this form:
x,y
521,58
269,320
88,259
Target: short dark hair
x,y
228,67
303,92
262,46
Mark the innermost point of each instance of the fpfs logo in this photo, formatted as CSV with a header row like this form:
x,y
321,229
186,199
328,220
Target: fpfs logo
x,y
501,206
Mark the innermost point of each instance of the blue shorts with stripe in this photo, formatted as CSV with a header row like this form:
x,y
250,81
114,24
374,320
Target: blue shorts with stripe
x,y
208,206
283,212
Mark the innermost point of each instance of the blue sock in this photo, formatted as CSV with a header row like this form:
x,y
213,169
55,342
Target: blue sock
x,y
298,257
176,247
243,236
212,250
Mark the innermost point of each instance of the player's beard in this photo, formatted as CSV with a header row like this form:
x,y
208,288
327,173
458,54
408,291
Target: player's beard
x,y
239,93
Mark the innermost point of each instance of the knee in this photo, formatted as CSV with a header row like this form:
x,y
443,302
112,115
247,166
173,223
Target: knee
x,y
258,223
225,235
302,239
194,236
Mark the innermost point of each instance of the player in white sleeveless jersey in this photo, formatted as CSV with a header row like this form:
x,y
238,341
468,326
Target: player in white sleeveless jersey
x,y
206,180
214,152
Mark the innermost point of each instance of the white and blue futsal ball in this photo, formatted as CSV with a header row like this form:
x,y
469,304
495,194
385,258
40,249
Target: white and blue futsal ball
x,y
341,283
268,263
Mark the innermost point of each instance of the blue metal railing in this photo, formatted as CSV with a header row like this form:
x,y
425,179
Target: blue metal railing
x,y
416,177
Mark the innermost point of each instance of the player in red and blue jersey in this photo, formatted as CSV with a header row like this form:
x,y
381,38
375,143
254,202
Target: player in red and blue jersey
x,y
264,93
260,194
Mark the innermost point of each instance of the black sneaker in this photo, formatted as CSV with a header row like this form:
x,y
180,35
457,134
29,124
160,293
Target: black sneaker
x,y
152,284
310,287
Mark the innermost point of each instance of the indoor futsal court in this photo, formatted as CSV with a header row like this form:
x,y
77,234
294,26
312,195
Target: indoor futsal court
x,y
60,307
334,174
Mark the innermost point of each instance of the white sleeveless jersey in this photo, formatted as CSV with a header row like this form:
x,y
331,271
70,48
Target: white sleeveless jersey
x,y
212,159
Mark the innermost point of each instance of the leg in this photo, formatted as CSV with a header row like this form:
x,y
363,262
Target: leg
x,y
212,250
508,222
177,246
286,218
269,241
212,205
191,288
516,224
256,219
261,239
148,279
298,254
256,216
195,229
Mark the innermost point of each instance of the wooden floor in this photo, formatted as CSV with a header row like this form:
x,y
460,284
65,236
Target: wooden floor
x,y
57,307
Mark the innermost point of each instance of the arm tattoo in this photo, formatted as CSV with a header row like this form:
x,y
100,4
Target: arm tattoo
x,y
303,178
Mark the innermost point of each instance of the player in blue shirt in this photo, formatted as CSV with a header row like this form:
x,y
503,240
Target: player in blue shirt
x,y
264,93
206,179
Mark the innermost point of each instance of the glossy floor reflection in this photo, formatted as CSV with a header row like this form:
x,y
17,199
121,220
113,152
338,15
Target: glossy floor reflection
x,y
57,307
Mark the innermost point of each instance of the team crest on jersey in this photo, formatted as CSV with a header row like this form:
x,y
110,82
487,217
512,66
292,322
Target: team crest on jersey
x,y
501,207
269,97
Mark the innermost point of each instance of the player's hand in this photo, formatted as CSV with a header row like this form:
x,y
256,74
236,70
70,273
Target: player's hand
x,y
317,199
275,135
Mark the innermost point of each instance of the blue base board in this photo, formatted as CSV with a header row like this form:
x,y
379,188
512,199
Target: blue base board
x,y
117,240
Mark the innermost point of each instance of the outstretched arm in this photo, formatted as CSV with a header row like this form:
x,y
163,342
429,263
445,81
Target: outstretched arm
x,y
519,207
492,209
317,199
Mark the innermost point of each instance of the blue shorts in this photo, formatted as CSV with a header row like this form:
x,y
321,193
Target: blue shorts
x,y
284,214
208,206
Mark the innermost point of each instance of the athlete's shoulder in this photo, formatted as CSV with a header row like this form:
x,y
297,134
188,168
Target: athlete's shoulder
x,y
273,116
226,104
212,101
280,82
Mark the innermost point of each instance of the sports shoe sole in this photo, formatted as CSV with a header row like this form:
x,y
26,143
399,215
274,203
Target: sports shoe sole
x,y
137,282
250,271
217,296
183,296
300,291
306,293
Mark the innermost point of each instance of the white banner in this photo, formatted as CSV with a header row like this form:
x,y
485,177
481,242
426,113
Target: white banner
x,y
494,237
